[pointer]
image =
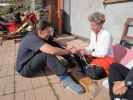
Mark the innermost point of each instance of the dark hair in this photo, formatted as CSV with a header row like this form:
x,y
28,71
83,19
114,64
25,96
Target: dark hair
x,y
42,25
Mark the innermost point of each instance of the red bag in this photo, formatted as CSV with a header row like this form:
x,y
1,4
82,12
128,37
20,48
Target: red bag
x,y
11,26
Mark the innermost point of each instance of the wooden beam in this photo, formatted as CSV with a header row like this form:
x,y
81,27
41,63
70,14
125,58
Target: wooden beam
x,y
59,14
114,1
49,10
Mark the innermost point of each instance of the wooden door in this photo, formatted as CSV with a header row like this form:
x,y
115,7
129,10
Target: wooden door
x,y
55,9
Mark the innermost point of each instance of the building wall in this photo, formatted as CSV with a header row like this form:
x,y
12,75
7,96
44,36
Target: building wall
x,y
66,16
116,15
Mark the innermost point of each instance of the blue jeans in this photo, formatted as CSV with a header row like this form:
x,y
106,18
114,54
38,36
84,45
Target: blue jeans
x,y
39,62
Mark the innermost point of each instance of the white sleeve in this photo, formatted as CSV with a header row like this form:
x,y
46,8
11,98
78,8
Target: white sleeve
x,y
103,47
89,48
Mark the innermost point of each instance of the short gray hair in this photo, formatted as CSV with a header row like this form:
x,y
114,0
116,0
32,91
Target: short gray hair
x,y
97,17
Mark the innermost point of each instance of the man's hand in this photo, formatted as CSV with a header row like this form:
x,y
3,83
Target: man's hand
x,y
119,88
68,51
73,50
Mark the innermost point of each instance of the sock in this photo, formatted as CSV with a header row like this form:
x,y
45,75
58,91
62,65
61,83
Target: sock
x,y
63,76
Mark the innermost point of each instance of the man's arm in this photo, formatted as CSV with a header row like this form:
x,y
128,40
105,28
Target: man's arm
x,y
54,50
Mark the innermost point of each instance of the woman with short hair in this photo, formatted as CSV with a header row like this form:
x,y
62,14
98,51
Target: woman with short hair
x,y
100,48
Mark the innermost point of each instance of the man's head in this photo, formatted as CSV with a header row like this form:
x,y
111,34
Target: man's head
x,y
43,29
96,21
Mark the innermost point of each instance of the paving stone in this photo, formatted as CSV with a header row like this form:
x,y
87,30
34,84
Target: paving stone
x,y
44,93
7,97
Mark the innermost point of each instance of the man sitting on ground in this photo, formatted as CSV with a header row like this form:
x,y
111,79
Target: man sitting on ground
x,y
35,53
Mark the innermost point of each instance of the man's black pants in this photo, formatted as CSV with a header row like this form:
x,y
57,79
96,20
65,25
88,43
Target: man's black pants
x,y
119,72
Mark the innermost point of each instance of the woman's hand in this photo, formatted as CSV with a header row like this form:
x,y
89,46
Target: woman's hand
x,y
75,50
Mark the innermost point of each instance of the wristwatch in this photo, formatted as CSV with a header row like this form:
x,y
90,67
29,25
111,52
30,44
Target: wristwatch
x,y
129,83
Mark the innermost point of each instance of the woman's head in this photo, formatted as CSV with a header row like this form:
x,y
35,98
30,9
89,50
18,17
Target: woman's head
x,y
97,20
